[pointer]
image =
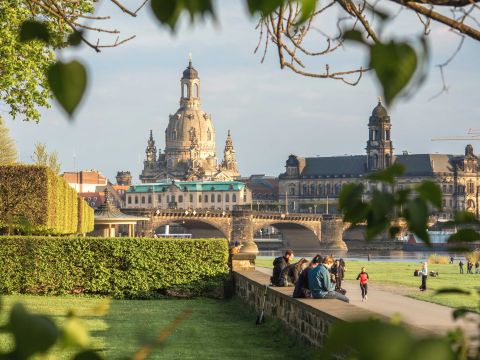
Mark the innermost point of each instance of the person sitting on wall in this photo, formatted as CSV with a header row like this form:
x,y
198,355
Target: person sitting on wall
x,y
289,275
279,264
235,249
320,284
301,286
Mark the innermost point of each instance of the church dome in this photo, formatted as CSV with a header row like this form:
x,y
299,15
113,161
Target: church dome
x,y
186,124
379,113
292,161
190,72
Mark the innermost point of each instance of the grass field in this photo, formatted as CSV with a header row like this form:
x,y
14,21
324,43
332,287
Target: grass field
x,y
216,329
401,273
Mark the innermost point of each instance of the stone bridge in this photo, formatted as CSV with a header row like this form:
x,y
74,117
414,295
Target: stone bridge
x,y
309,231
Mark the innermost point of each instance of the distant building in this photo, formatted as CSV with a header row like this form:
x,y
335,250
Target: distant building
x,y
313,184
85,181
190,150
213,195
264,188
124,178
91,185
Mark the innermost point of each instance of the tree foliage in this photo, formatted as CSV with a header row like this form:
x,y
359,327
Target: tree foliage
x,y
8,152
42,157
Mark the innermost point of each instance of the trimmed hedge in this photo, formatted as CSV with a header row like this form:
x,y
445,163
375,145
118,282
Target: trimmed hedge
x,y
35,200
118,267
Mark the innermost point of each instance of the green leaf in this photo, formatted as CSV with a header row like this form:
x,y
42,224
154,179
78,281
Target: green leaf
x,y
354,35
461,312
200,8
68,82
465,217
401,196
429,191
416,214
394,64
432,348
264,7
457,291
351,204
87,355
33,333
464,235
75,38
307,10
167,11
388,175
34,30
367,339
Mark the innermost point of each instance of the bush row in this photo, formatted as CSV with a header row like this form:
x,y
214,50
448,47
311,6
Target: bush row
x,y
35,200
118,267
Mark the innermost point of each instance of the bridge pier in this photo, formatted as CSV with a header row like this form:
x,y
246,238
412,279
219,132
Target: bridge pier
x,y
242,231
332,233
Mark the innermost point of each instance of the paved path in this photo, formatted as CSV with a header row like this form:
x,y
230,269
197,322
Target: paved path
x,y
434,317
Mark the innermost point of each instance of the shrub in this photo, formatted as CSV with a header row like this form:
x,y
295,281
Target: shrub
x,y
473,256
35,200
438,259
119,267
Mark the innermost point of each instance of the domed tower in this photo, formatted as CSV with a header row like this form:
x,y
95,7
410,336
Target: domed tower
x,y
379,145
190,119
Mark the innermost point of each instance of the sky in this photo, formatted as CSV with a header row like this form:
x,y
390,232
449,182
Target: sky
x,y
271,112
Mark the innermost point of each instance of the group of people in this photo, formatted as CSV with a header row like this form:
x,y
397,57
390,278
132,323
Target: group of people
x,y
320,278
470,266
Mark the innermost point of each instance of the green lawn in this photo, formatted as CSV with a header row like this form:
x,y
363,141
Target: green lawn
x,y
216,329
401,273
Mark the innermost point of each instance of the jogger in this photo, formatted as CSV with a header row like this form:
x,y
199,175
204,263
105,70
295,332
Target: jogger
x,y
363,277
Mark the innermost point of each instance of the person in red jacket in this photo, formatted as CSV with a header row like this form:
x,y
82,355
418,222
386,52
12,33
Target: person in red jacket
x,y
363,277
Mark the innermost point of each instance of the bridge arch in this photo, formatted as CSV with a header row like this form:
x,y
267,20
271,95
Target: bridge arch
x,y
297,235
198,227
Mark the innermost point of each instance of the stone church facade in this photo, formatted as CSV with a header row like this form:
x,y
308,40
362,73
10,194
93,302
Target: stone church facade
x,y
313,184
190,148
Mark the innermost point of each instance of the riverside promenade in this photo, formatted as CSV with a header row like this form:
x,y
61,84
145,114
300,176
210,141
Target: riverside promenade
x,y
420,314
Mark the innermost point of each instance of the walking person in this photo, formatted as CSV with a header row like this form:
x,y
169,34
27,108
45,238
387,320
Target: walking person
x,y
469,267
363,277
424,273
460,265
476,267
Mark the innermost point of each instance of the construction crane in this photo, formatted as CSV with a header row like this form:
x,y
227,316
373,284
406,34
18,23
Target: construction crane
x,y
472,135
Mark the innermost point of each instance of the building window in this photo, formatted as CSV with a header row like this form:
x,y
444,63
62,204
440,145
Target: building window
x,y
387,134
212,198
291,190
159,198
143,199
129,199
450,189
305,189
199,198
172,198
451,203
470,187
191,198
444,187
136,199
206,198
227,198
219,198
328,189
312,189
149,199
180,198
234,197
444,202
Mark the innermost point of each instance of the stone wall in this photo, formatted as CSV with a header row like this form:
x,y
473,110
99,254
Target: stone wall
x,y
308,320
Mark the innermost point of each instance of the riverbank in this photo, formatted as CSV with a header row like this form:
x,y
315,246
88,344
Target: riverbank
x,y
397,277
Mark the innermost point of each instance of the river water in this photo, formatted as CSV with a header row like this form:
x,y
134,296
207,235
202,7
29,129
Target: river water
x,y
384,255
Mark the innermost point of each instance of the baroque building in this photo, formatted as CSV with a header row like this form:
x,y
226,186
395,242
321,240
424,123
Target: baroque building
x,y
211,195
313,184
190,148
